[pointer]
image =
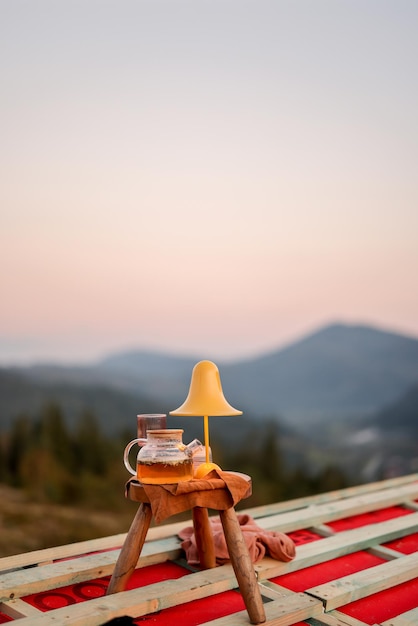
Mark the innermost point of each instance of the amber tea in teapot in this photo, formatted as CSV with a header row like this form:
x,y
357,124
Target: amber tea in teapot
x,y
164,472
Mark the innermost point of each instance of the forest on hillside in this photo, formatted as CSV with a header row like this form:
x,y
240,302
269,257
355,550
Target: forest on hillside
x,y
83,466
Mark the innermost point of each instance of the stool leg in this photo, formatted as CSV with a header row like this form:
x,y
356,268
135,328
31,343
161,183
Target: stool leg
x,y
243,566
204,538
131,549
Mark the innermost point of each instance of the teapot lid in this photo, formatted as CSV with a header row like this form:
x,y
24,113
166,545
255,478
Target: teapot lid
x,y
165,432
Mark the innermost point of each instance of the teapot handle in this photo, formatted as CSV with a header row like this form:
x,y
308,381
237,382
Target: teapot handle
x,y
140,442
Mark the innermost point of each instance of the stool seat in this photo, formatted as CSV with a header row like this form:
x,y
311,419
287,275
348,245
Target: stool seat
x,y
220,491
217,494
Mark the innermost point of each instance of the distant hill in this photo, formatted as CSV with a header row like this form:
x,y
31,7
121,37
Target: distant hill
x,y
339,371
116,410
400,416
383,445
164,378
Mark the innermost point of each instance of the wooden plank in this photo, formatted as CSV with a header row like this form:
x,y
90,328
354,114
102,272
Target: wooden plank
x,y
322,513
48,555
385,553
283,612
410,618
330,496
323,530
339,545
18,608
273,590
367,582
35,579
335,618
138,602
412,505
141,601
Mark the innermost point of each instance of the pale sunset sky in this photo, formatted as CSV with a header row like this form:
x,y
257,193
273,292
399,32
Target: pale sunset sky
x,y
205,177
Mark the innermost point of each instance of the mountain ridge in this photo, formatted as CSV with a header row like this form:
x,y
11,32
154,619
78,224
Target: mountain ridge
x,y
339,368
337,371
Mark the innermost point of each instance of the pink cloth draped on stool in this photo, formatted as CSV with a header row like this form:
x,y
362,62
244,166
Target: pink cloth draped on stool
x,y
260,542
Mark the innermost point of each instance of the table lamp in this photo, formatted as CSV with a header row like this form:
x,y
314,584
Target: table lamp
x,y
205,398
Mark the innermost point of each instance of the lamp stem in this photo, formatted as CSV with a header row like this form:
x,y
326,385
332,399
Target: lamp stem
x,y
206,430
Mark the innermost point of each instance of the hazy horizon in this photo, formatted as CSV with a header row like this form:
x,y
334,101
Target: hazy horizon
x,y
204,176
21,355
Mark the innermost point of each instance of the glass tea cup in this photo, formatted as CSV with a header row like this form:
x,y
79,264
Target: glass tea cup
x,y
150,421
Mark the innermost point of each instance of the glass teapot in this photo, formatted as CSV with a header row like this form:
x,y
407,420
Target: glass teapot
x,y
163,458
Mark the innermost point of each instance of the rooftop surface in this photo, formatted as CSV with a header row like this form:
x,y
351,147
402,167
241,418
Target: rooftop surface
x,y
356,563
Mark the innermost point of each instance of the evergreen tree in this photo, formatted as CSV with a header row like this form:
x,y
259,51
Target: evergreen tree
x,y
20,442
91,449
269,461
53,436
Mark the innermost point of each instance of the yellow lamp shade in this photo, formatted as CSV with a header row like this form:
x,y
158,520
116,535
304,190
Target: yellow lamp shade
x,y
205,394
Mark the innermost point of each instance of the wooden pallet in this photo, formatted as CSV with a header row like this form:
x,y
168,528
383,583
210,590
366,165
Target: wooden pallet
x,y
356,564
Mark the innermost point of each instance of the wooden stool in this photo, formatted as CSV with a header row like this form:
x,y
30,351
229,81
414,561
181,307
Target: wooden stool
x,y
237,548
